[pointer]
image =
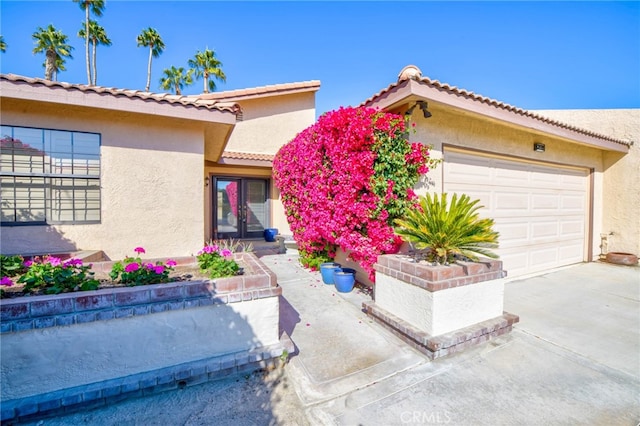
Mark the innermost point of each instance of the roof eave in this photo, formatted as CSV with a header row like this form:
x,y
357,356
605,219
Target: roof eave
x,y
408,90
262,92
57,94
245,162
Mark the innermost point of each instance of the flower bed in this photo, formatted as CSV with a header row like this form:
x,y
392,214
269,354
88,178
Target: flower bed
x,y
90,348
53,275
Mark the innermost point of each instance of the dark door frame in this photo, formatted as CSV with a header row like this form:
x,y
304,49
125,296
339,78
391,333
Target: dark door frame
x,y
242,211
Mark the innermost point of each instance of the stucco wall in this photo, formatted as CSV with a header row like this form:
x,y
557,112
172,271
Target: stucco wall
x,y
621,196
269,123
447,128
442,311
151,179
45,360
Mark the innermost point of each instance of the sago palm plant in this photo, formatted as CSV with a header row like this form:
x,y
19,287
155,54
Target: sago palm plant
x,y
447,230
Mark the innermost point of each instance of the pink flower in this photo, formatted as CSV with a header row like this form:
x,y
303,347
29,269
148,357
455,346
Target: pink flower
x,y
6,281
159,269
73,262
53,261
149,266
208,250
226,253
344,180
171,263
132,267
28,263
139,250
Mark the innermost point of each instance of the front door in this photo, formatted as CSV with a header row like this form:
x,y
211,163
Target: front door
x,y
240,207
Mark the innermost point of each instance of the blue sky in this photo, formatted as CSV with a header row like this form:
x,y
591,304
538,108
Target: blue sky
x,y
534,55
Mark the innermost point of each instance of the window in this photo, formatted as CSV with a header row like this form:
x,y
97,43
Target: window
x,y
49,176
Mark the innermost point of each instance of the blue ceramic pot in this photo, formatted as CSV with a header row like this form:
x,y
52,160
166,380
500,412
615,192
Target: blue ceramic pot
x,y
270,234
344,281
326,270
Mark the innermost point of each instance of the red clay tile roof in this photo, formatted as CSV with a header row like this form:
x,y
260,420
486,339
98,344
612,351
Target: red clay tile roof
x,y
474,97
263,91
158,97
247,156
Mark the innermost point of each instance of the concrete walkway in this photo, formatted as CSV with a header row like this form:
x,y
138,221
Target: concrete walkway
x,y
574,358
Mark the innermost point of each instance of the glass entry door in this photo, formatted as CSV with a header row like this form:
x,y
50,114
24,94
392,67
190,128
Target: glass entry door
x,y
240,207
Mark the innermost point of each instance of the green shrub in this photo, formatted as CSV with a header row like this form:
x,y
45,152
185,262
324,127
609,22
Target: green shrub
x,y
133,271
217,262
447,230
53,276
10,266
313,260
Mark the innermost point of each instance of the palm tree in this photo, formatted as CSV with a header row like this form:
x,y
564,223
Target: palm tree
x,y
97,35
96,7
54,44
151,39
176,78
57,67
3,45
206,64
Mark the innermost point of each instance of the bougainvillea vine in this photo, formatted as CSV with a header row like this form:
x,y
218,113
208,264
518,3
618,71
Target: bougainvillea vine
x,y
345,179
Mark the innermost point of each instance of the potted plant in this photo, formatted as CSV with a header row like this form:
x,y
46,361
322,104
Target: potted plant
x,y
449,295
344,279
448,231
327,270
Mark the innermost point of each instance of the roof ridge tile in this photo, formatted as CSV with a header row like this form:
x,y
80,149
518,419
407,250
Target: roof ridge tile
x,y
116,92
453,90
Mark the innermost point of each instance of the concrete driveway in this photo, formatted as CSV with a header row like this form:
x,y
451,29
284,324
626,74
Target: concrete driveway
x,y
574,358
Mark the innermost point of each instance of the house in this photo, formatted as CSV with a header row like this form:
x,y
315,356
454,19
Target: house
x,y
171,172
95,168
557,191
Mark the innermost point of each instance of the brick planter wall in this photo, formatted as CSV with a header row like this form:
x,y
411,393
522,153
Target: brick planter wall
x,y
440,309
76,350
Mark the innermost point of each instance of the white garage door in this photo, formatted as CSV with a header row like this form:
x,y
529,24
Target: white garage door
x,y
539,210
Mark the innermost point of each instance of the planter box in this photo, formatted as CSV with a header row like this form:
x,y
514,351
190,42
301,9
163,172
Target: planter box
x,y
78,350
440,309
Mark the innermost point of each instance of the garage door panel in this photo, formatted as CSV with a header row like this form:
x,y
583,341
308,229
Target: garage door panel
x,y
515,234
518,262
572,252
545,177
545,203
573,203
510,174
543,231
574,180
511,202
545,257
572,228
540,211
471,170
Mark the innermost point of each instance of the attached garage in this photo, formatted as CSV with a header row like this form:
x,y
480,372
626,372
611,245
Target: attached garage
x,y
541,210
547,184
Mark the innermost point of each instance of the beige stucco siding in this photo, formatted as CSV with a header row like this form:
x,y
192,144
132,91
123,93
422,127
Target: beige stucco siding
x,y
151,179
449,128
621,197
269,123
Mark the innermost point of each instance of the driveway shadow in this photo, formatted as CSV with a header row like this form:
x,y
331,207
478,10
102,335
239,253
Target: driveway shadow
x,y
289,317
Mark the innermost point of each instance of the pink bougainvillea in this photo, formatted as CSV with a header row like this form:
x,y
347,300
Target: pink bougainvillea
x,y
345,179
